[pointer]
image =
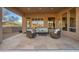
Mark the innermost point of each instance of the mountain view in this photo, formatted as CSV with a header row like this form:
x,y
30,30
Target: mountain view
x,y
11,19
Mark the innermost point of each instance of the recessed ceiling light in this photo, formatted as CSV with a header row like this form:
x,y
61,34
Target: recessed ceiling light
x,y
51,8
40,8
28,8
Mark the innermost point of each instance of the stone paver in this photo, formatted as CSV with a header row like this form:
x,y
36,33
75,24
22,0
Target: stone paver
x,y
20,41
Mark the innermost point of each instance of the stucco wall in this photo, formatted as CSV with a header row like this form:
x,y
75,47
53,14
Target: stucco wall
x,y
44,16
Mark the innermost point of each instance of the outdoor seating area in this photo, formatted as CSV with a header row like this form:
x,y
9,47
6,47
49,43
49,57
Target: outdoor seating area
x,y
39,27
54,33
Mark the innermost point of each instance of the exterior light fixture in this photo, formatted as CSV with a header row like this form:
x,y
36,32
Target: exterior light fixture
x,y
51,8
28,8
40,8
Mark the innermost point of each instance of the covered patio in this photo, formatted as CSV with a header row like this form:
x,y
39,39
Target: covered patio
x,y
64,18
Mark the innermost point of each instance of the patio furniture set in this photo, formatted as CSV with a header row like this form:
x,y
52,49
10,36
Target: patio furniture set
x,y
53,33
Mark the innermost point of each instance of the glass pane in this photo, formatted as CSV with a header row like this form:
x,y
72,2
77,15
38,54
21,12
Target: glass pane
x,y
12,23
28,24
72,27
51,22
38,22
64,22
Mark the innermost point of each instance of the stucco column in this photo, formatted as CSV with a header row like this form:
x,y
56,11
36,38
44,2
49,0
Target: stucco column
x,y
23,24
77,21
46,21
60,22
68,20
1,34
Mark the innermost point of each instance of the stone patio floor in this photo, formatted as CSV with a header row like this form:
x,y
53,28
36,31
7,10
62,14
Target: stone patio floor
x,y
20,41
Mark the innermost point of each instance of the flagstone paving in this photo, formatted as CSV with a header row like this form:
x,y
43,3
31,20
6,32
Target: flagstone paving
x,y
20,41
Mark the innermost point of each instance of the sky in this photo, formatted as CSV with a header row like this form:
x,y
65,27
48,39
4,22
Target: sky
x,y
13,17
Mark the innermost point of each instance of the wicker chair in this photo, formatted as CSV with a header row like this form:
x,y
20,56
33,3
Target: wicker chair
x,y
55,34
31,34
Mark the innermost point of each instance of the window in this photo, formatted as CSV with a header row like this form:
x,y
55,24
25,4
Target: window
x,y
11,22
37,22
72,27
51,22
28,22
10,19
64,22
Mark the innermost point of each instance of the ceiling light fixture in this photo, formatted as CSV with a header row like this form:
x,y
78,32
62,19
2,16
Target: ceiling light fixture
x,y
40,8
28,8
51,8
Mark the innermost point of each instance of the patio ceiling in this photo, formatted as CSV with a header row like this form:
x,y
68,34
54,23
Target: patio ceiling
x,y
33,10
29,10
